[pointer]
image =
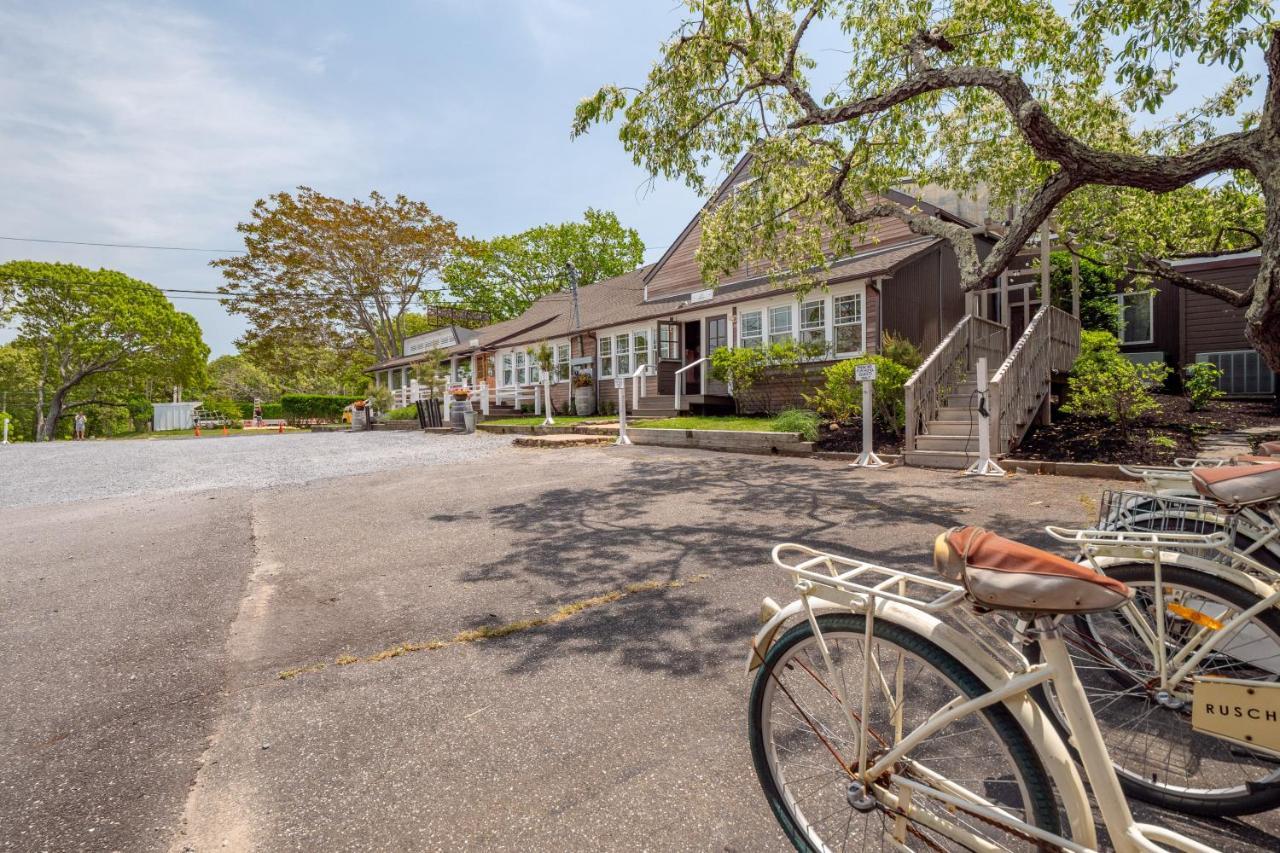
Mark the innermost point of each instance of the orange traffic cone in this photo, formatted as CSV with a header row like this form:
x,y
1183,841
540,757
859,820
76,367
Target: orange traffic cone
x,y
197,430
224,430
282,429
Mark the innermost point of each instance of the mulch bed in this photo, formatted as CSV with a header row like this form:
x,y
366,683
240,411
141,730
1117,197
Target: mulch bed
x,y
1173,432
848,439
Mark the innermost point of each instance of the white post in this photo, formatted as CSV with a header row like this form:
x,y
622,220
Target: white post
x,y
868,458
1046,286
6,431
546,392
679,392
636,379
985,466
537,401
621,384
484,399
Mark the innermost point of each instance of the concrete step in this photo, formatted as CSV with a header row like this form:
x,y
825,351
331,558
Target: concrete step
x,y
947,442
939,459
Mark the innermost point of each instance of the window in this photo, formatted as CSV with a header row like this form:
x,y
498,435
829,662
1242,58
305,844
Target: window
x,y
669,341
779,324
622,350
813,322
562,363
847,323
535,370
1135,316
396,378
640,347
506,370
522,374
606,357
750,330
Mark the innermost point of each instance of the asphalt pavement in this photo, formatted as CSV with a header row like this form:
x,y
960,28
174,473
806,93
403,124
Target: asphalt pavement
x,y
145,708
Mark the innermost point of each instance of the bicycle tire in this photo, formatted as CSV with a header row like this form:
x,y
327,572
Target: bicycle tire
x,y
1041,810
1250,796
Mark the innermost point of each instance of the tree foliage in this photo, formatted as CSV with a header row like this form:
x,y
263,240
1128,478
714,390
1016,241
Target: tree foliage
x,y
97,337
235,377
1099,310
1047,112
320,271
503,276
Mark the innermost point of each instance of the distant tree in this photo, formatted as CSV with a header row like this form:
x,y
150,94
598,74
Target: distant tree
x,y
321,269
503,276
95,336
235,377
1099,310
300,364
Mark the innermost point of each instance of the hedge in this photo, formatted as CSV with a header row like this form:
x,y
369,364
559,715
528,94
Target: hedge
x,y
317,406
271,411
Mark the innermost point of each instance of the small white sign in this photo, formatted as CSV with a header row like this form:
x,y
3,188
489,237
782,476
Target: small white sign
x,y
620,384
865,373
701,295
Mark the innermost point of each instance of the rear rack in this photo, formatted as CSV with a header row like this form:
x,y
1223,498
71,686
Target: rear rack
x,y
858,584
1126,542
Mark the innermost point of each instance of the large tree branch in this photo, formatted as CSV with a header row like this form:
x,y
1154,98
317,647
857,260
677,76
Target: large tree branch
x,y
1163,269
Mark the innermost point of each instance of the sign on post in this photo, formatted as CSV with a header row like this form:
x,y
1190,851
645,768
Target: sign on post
x,y
621,384
866,374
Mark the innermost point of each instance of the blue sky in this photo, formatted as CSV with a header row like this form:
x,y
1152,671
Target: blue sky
x,y
162,123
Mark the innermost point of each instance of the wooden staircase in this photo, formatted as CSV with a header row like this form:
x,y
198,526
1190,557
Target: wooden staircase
x,y
941,396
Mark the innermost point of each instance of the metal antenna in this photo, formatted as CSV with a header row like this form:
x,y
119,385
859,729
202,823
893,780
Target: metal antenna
x,y
573,290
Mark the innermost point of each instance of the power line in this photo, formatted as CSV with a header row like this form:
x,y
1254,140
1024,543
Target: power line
x,y
125,245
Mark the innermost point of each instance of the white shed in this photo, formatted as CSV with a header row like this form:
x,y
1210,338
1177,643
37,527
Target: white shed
x,y
166,416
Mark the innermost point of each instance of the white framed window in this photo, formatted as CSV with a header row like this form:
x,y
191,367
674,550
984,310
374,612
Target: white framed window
x,y
535,370
562,363
780,324
813,322
606,357
522,371
846,324
751,330
507,374
669,341
1137,323
640,347
622,353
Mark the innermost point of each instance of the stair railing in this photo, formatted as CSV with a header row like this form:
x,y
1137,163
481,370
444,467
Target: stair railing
x,y
1049,345
958,353
680,381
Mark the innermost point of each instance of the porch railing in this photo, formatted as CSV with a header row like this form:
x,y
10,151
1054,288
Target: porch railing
x,y
958,353
702,381
1049,345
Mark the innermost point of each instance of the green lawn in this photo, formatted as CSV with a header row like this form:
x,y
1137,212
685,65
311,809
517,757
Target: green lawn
x,y
536,420
205,432
710,422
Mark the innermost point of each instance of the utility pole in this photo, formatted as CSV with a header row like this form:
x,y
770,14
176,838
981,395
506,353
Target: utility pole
x,y
573,292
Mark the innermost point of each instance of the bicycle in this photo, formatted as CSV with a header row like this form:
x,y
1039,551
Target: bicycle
x,y
939,743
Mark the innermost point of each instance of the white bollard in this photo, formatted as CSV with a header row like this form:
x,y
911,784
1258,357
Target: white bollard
x,y
621,385
867,459
6,432
985,466
546,394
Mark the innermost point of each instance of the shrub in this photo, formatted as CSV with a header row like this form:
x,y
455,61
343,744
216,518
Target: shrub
x,y
317,406
900,350
14,433
802,421
222,407
1202,384
742,367
1105,384
406,413
840,397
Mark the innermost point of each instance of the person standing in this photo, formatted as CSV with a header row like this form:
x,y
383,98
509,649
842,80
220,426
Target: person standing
x,y
80,425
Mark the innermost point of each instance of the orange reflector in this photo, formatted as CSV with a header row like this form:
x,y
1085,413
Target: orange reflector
x,y
1194,616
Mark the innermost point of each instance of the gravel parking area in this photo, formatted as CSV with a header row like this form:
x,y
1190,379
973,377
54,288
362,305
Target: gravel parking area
x,y
34,474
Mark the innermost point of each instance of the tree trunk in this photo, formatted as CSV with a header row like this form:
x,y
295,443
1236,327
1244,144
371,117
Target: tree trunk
x,y
49,426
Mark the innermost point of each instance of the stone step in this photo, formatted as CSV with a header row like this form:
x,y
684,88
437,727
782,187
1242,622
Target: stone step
x,y
957,443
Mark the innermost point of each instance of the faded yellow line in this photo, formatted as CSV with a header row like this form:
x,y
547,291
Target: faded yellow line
x,y
493,632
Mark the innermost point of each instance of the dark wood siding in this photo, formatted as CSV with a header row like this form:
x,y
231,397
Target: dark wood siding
x,y
1166,325
923,300
1211,325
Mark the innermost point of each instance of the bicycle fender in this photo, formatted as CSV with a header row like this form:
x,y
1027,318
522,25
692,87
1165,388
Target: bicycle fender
x,y
1236,577
1049,744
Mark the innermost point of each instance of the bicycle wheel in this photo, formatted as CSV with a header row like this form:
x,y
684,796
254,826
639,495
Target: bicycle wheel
x,y
804,749
1157,755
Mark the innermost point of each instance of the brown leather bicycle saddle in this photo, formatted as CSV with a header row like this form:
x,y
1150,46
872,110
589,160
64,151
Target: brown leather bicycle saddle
x,y
1005,575
1239,485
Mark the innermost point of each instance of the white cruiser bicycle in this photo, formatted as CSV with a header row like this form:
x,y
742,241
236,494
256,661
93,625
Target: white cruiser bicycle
x,y
894,715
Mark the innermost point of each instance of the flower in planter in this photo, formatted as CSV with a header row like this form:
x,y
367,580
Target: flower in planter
x,y
582,380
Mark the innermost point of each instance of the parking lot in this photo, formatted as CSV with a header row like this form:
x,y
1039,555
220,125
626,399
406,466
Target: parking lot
x,y
147,627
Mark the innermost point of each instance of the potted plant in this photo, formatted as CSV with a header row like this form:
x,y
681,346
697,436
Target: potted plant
x,y
584,393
